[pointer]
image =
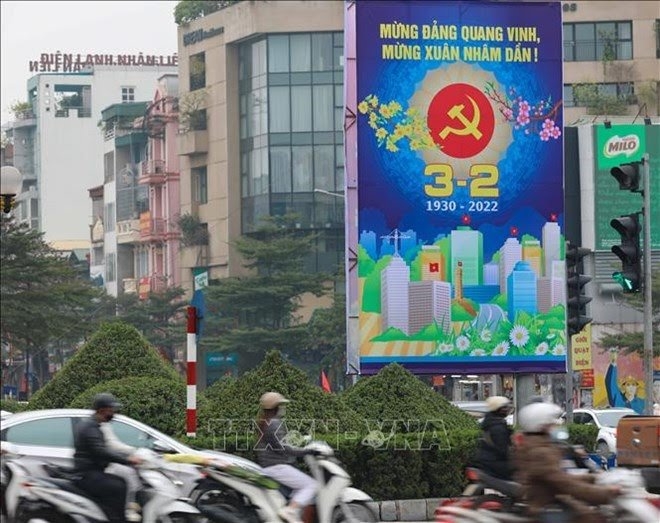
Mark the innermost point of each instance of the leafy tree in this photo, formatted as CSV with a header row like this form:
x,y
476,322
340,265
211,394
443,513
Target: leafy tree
x,y
633,342
188,10
252,314
115,351
160,318
43,299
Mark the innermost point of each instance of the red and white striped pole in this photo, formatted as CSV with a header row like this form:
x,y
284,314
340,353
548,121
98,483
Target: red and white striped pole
x,y
191,389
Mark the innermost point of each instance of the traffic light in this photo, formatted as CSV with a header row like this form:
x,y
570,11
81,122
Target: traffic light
x,y
629,252
628,176
576,302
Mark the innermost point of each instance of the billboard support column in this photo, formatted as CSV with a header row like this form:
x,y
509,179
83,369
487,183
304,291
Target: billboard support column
x,y
525,388
648,295
191,389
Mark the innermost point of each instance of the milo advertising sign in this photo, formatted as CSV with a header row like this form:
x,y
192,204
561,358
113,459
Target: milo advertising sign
x,y
614,146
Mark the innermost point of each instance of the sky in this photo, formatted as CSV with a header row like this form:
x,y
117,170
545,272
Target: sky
x,y
29,28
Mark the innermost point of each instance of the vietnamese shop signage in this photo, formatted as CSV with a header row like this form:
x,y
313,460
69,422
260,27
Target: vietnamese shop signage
x,y
197,36
76,62
614,146
460,186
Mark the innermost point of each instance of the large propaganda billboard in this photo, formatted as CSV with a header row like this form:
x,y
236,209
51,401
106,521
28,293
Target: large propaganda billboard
x,y
460,249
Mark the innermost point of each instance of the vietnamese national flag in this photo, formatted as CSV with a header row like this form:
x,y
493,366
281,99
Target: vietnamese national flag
x,y
325,383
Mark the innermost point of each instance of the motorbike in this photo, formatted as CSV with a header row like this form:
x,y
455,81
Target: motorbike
x,y
633,505
55,497
236,495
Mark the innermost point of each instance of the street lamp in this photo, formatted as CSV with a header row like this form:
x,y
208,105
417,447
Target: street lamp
x,y
10,185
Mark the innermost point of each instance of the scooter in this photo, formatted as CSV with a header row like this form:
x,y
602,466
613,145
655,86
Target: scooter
x,y
633,505
235,495
56,497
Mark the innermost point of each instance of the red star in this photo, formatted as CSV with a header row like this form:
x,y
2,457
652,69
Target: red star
x,y
554,217
514,231
466,219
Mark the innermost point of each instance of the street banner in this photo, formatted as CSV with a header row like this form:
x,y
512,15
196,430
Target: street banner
x,y
460,249
615,145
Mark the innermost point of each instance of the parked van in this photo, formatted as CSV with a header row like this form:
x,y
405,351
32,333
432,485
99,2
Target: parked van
x,y
638,446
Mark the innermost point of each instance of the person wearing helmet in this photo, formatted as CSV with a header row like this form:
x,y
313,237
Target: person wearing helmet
x,y
493,448
93,454
546,484
277,456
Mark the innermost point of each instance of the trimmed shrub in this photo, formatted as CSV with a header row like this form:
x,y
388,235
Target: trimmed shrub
x,y
13,406
395,394
585,435
157,402
115,351
310,407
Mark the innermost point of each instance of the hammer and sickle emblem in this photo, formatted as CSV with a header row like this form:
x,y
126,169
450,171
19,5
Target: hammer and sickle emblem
x,y
469,127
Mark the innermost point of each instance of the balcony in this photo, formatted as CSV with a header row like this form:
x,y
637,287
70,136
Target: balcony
x,y
148,284
128,231
192,143
152,173
24,119
130,285
151,229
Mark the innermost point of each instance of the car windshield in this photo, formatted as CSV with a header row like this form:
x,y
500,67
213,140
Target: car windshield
x,y
611,419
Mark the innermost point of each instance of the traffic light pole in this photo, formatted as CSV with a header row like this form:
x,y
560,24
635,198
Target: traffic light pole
x,y
648,296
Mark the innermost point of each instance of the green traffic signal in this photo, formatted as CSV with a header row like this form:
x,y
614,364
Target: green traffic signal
x,y
628,284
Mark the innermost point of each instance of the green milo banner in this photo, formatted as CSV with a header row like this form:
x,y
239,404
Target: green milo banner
x,y
614,146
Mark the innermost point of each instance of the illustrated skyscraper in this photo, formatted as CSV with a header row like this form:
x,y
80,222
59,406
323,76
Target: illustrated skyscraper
x,y
430,301
532,253
521,290
510,254
394,281
491,274
551,243
432,263
467,248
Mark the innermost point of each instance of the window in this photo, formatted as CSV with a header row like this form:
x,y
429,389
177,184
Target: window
x,y
322,51
657,38
302,168
280,110
49,432
200,185
127,94
589,42
301,108
623,92
109,219
197,71
280,168
131,435
301,52
278,53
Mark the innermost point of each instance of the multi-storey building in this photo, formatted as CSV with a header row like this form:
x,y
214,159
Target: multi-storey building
x,y
394,295
467,248
65,109
430,301
262,97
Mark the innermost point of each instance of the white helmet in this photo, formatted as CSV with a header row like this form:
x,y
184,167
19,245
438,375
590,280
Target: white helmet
x,y
535,417
494,403
272,400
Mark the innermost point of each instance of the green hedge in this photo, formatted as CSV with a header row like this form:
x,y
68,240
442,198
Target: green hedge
x,y
158,402
13,405
585,435
115,351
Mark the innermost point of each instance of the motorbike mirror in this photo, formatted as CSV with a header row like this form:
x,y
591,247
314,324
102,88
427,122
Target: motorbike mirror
x,y
161,447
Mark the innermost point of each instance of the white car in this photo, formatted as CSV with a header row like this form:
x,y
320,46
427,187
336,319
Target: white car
x,y
478,409
47,435
606,420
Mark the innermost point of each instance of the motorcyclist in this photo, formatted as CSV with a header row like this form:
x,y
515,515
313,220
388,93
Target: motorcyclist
x,y
92,456
546,485
277,456
493,456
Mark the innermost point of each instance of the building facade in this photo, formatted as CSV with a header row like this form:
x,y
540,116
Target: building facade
x,y
62,123
262,97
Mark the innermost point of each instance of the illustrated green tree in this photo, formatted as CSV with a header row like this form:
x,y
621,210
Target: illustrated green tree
x,y
160,318
188,10
43,300
252,314
633,342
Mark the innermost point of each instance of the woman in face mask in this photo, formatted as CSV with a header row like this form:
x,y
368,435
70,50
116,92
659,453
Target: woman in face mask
x,y
277,456
546,484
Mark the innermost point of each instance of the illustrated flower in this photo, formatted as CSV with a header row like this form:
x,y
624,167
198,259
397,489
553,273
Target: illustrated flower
x,y
478,352
381,133
556,132
444,348
363,107
523,119
559,350
524,106
545,135
508,113
385,111
542,348
391,147
374,101
462,343
486,335
501,349
548,124
519,336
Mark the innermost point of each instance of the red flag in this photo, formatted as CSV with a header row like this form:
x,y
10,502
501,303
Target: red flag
x,y
325,383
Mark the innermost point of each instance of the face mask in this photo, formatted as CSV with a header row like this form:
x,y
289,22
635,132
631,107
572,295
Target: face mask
x,y
558,434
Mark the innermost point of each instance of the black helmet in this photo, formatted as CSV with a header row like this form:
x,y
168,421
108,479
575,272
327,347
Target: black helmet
x,y
105,400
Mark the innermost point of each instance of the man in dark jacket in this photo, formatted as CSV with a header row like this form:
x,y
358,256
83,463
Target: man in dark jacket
x,y
92,456
495,442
